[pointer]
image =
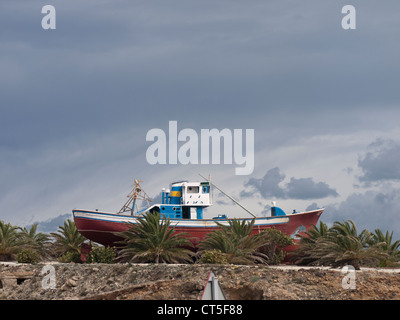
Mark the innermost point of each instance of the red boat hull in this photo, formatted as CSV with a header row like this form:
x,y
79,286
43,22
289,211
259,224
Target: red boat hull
x,y
101,227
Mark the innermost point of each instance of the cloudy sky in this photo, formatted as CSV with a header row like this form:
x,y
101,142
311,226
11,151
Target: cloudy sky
x,y
76,103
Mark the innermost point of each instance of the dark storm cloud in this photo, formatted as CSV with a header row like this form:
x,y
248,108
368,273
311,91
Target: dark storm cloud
x,y
302,188
381,162
110,64
268,186
124,67
306,188
369,210
377,208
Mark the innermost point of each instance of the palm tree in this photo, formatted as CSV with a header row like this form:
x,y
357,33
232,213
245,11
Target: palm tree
x,y
35,241
311,236
348,228
342,245
391,248
236,242
308,241
153,239
9,241
68,239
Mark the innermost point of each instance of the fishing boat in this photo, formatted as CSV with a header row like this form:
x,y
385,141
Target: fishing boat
x,y
184,203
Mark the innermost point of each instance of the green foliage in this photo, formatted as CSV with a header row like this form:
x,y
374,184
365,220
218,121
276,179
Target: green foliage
x,y
102,255
303,255
236,241
214,256
311,236
342,244
16,241
28,256
70,256
67,240
34,241
275,241
9,240
153,239
390,247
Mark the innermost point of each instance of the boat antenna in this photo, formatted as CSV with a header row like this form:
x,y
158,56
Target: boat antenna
x,y
136,193
248,211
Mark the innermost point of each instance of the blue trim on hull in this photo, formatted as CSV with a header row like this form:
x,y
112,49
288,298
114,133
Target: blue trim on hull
x,y
181,220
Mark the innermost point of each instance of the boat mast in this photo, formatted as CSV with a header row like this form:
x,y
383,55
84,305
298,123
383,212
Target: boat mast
x,y
228,196
136,193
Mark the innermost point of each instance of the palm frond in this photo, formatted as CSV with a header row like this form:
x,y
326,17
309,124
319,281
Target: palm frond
x,y
153,239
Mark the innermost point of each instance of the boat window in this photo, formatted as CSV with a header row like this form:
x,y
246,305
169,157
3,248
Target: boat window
x,y
192,189
206,189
